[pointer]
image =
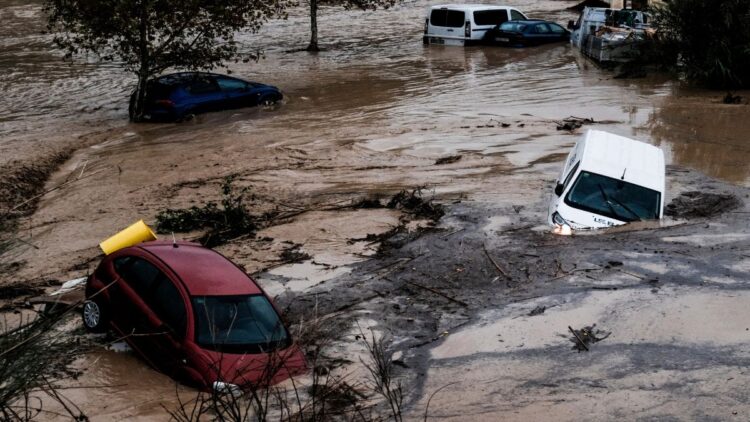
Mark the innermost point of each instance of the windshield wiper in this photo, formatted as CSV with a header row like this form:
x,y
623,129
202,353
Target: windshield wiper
x,y
609,204
627,208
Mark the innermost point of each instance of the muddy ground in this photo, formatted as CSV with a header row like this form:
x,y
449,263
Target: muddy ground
x,y
367,118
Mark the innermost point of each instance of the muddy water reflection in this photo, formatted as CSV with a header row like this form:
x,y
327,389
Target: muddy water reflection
x,y
703,133
371,112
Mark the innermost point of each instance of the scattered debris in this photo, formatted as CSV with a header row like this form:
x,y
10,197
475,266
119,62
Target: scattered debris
x,y
293,254
13,291
225,222
572,123
367,203
338,396
496,265
414,203
732,99
586,336
447,160
69,286
696,204
537,311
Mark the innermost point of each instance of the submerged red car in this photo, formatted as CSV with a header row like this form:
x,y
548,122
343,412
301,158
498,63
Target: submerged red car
x,y
192,314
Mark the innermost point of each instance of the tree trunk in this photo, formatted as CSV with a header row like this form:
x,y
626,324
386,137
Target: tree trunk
x,y
138,100
313,46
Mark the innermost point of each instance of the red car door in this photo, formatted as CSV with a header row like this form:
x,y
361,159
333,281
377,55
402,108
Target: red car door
x,y
134,316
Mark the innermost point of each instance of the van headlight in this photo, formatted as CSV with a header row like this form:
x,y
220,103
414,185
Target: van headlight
x,y
227,388
561,226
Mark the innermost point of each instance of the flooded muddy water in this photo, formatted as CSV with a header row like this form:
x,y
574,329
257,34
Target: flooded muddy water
x,y
375,83
369,115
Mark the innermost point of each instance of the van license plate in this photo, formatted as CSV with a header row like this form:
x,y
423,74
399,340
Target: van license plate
x,y
437,40
500,39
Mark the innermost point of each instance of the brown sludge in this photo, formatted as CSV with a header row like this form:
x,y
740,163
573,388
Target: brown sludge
x,y
372,119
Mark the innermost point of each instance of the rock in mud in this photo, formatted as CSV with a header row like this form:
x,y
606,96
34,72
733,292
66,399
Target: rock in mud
x,y
732,99
696,204
447,160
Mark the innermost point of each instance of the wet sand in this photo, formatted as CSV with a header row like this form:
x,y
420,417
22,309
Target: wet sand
x,y
369,117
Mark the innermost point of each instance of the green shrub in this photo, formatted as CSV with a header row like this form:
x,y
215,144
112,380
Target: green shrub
x,y
708,40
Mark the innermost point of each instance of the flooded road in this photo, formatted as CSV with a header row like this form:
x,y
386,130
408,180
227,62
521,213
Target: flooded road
x,y
374,76
367,116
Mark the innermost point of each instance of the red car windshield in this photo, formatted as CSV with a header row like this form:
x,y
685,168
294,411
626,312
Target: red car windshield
x,y
238,324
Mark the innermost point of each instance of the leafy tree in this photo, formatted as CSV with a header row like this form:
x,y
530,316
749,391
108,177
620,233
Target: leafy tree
x,y
708,40
346,4
151,36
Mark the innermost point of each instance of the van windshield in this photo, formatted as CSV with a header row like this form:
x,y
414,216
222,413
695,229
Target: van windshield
x,y
445,17
238,324
613,198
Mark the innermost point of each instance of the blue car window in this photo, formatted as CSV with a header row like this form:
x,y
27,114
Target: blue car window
x,y
202,86
230,84
557,29
512,27
541,28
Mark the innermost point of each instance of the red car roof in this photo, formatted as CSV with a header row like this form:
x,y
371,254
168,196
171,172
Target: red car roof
x,y
203,271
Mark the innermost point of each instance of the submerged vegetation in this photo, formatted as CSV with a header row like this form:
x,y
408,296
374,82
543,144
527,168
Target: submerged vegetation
x,y
222,222
231,217
707,41
33,355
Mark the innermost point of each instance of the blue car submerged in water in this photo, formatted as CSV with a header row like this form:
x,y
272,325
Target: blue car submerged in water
x,y
180,95
522,33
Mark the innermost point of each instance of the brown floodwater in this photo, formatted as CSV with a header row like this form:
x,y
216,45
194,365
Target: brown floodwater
x,y
370,114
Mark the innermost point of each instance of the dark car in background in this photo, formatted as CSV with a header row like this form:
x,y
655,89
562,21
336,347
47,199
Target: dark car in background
x,y
522,33
179,95
192,314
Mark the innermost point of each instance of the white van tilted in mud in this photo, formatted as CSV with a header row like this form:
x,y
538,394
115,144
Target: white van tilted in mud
x,y
464,24
608,180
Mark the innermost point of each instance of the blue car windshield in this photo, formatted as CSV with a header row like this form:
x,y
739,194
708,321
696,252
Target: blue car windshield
x,y
613,198
238,324
512,27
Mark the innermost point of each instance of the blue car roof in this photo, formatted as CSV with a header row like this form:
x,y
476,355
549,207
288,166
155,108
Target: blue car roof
x,y
182,77
529,21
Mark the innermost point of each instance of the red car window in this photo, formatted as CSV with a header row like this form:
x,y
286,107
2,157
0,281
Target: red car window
x,y
138,273
167,303
156,290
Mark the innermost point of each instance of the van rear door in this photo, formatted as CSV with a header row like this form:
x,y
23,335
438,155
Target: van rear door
x,y
446,23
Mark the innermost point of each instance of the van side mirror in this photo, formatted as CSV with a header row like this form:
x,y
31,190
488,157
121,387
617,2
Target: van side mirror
x,y
571,25
559,189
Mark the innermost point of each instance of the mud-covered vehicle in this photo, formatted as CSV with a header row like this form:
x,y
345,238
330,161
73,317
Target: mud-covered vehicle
x,y
608,180
192,314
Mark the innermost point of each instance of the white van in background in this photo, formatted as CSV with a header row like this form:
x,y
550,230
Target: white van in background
x,y
465,24
608,180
